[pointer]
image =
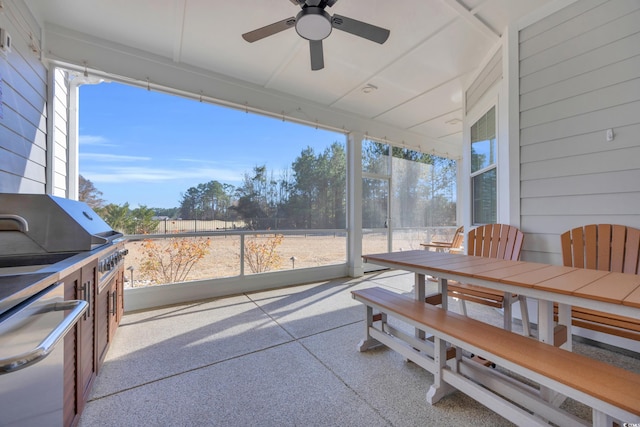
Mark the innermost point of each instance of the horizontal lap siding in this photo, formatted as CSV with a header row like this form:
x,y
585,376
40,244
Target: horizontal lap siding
x,y
579,76
60,154
23,126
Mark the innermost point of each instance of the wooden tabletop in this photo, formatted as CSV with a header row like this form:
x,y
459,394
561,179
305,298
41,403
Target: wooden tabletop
x,y
596,285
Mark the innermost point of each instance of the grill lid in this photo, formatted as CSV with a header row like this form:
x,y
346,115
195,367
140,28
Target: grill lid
x,y
49,224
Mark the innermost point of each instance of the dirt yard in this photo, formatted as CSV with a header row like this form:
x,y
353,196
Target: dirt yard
x,y
223,258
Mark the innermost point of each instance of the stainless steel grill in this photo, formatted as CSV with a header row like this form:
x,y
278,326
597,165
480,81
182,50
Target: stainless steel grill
x,y
41,235
38,224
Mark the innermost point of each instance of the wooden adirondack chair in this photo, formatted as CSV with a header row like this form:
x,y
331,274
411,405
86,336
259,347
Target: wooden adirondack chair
x,y
453,245
606,247
495,241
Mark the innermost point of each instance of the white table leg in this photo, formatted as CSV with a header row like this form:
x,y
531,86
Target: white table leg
x,y
564,318
546,334
545,321
507,314
442,289
420,294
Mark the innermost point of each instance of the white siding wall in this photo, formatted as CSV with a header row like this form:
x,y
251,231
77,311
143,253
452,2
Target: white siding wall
x,y
579,76
23,142
60,153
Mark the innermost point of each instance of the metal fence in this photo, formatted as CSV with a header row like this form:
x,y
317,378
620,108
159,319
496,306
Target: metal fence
x,y
176,226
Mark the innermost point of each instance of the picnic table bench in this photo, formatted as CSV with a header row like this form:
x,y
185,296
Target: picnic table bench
x,y
612,393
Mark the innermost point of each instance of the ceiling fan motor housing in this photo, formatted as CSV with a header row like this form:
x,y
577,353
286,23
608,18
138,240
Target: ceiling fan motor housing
x,y
313,23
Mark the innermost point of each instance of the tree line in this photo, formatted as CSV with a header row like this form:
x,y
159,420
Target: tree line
x,y
310,194
140,220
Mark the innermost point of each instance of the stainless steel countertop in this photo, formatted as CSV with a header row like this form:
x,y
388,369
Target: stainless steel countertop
x,y
18,287
19,283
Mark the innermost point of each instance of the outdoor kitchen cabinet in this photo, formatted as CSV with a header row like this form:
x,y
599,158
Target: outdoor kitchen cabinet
x,y
80,266
109,311
86,348
80,364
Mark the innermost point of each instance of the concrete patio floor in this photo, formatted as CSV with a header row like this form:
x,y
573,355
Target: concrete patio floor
x,y
283,357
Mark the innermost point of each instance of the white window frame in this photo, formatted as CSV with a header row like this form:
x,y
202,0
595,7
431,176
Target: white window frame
x,y
478,114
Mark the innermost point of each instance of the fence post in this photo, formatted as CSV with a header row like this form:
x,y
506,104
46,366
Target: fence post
x,y
242,255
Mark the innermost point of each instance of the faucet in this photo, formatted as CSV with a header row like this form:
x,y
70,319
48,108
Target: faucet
x,y
24,225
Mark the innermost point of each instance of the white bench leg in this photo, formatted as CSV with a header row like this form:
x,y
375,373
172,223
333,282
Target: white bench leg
x,y
368,342
439,388
600,419
463,306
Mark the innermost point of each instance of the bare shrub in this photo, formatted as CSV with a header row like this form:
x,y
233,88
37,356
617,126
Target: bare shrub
x,y
261,254
171,260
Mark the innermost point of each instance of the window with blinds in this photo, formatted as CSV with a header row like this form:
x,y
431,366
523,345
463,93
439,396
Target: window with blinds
x,y
484,169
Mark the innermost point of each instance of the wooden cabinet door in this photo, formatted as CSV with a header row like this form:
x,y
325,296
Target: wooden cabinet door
x,y
120,295
71,408
113,308
79,345
87,355
103,318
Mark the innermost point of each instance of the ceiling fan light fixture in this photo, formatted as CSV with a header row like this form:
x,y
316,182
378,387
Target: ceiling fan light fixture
x,y
313,23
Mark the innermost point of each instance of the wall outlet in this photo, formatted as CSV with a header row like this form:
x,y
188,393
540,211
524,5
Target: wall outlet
x,y
609,135
5,40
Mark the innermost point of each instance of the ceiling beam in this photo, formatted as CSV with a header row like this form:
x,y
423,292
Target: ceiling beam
x,y
472,19
178,28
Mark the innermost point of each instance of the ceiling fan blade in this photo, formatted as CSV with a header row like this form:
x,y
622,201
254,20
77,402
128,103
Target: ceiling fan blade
x,y
317,56
269,30
361,29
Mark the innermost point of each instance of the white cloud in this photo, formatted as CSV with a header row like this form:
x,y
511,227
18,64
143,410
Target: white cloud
x,y
124,174
94,140
202,161
100,157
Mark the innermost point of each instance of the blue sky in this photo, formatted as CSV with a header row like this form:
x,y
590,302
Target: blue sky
x,y
147,148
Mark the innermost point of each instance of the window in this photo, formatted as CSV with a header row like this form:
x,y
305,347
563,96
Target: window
x,y
483,169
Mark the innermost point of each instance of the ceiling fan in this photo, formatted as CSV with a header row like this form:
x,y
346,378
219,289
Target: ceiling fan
x,y
314,24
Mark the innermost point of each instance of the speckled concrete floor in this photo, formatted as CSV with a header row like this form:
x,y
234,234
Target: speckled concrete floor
x,y
284,357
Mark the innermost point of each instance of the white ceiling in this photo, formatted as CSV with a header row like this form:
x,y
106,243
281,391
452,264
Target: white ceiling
x,y
434,48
